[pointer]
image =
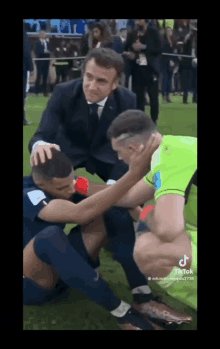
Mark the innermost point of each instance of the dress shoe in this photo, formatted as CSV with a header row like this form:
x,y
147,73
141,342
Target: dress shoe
x,y
45,94
168,100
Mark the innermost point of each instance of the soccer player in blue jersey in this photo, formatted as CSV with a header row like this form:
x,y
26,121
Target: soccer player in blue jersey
x,y
55,262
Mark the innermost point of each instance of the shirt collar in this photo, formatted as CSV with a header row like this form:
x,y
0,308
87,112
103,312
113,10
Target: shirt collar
x,y
100,103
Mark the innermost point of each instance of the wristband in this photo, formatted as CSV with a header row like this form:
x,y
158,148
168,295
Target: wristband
x,y
39,143
82,185
145,211
110,182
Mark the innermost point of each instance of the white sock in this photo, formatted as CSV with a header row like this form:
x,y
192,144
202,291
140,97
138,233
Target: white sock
x,y
121,310
141,289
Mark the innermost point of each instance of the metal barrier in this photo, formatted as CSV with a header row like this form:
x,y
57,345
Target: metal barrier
x,y
83,57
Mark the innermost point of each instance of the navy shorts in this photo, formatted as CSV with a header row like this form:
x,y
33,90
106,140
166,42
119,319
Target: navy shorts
x,y
38,295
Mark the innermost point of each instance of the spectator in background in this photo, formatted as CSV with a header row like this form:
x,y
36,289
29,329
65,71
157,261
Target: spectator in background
x,y
87,39
102,36
119,41
193,27
118,46
113,27
62,66
72,51
43,49
130,25
98,35
27,67
144,46
167,63
185,63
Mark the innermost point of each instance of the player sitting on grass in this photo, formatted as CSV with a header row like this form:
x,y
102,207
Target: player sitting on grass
x,y
168,251
54,262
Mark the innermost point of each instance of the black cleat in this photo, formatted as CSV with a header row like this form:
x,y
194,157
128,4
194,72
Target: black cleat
x,y
135,321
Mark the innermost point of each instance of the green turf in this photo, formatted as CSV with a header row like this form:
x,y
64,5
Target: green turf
x,y
75,311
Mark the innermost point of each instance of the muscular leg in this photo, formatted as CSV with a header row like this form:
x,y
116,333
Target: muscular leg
x,y
156,258
94,237
35,269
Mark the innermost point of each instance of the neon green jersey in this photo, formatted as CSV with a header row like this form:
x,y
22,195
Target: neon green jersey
x,y
173,166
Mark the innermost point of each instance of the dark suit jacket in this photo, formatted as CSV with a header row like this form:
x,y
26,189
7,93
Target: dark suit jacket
x,y
27,60
66,122
40,51
153,51
118,45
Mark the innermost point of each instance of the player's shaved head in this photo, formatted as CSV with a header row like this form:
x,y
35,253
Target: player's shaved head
x,y
131,124
59,166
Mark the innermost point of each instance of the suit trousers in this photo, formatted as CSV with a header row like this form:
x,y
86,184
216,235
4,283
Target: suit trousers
x,y
143,78
185,74
42,70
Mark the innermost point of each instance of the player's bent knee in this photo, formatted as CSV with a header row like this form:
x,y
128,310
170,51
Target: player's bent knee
x,y
35,269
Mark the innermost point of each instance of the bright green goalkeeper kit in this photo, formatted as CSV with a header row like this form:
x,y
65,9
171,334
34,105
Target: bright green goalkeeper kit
x,y
173,171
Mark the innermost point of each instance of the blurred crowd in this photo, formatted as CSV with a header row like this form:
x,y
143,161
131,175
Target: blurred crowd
x,y
175,74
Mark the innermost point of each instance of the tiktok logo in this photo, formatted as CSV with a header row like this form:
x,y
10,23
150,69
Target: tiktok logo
x,y
182,262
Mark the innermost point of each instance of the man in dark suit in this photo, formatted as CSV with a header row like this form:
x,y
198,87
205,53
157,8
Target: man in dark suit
x,y
144,47
76,121
189,48
27,66
43,49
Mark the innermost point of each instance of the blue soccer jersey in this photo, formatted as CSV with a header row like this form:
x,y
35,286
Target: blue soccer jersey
x,y
34,199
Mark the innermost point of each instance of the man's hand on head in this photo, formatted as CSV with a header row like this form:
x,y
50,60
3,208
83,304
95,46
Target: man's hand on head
x,y
42,152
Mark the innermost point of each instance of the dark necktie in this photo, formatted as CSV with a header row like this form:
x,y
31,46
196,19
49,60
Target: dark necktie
x,y
94,119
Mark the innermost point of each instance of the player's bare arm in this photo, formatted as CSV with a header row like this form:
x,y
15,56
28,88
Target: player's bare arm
x,y
169,217
155,257
59,210
158,251
140,193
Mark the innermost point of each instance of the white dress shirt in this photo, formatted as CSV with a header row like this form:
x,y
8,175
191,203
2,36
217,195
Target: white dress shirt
x,y
98,44
101,106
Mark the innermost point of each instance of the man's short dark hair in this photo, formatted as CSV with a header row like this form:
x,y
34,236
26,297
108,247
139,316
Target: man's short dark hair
x,y
106,58
131,123
59,166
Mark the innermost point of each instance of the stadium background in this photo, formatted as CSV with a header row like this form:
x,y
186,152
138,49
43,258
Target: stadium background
x,y
75,311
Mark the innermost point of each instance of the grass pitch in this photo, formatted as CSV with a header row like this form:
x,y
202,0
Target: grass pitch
x,y
74,311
